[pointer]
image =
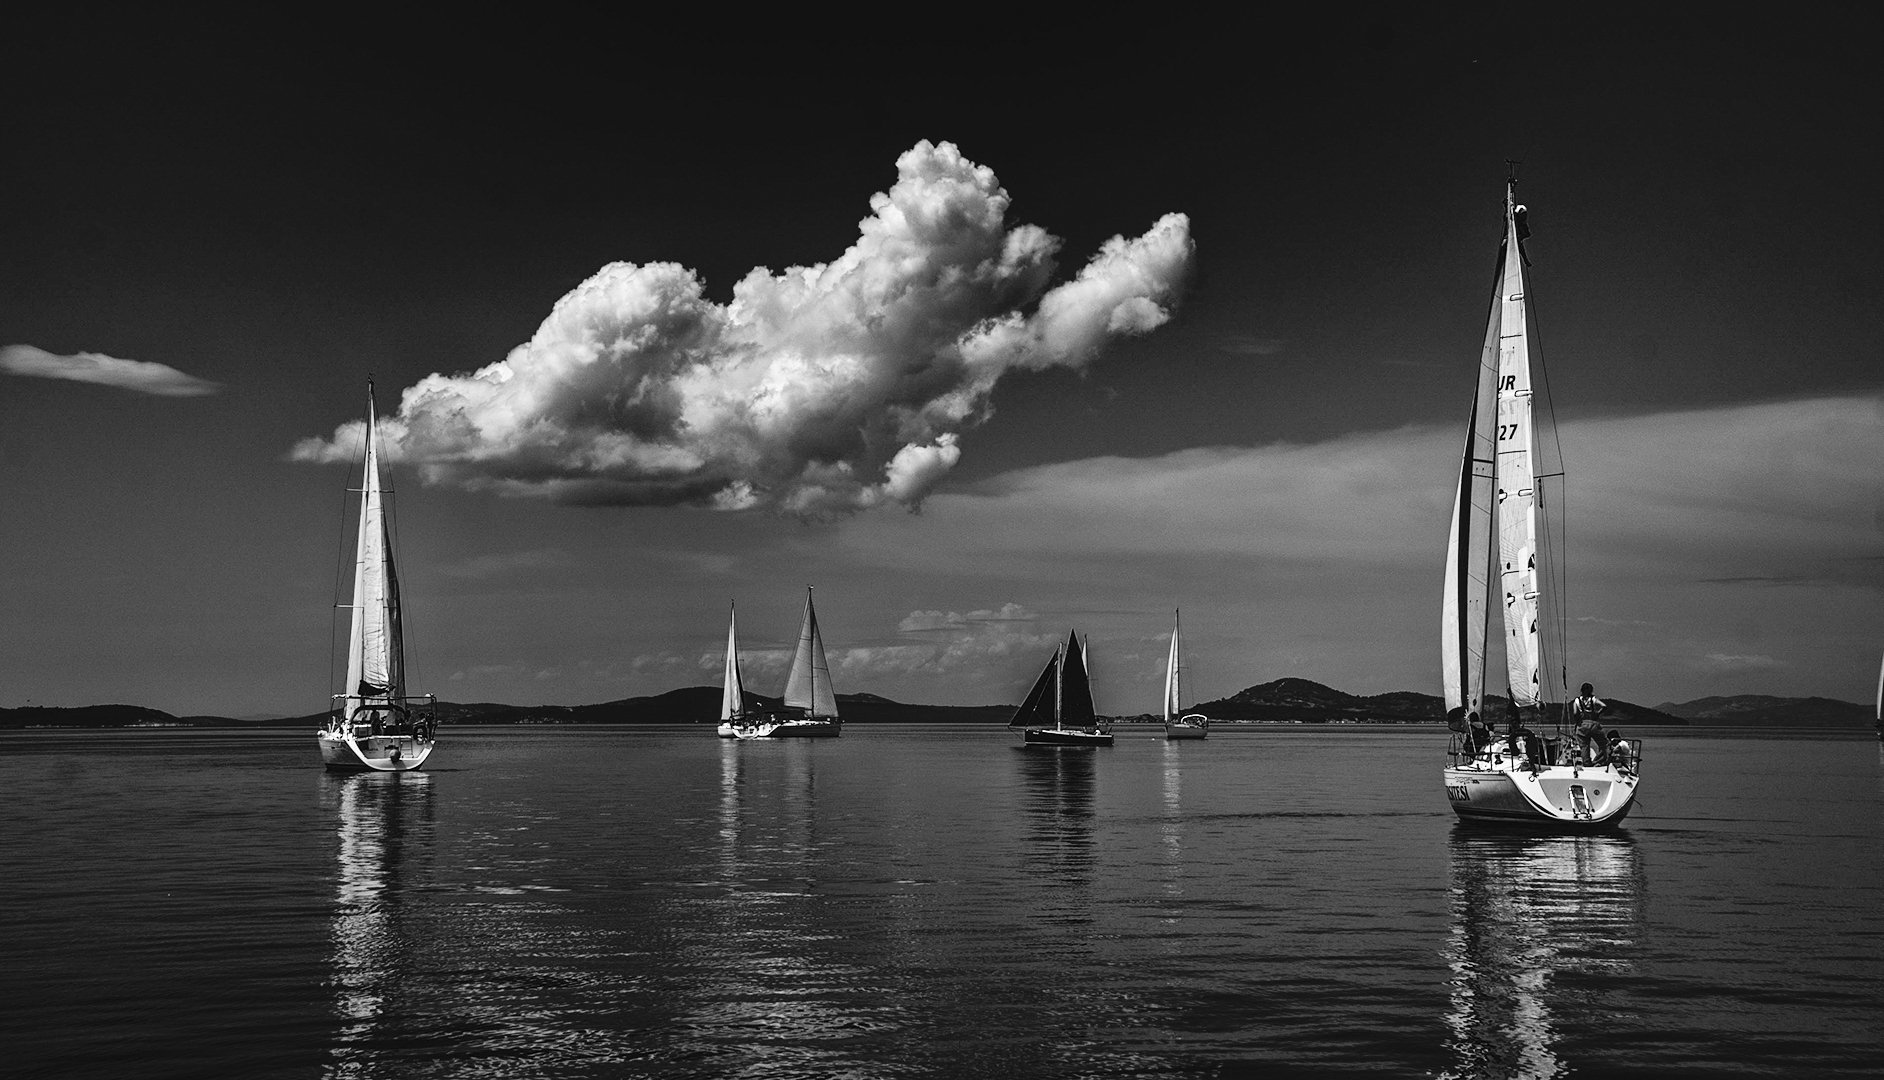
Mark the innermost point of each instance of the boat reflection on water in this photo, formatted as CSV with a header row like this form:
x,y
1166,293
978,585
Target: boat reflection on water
x,y
385,824
770,973
1526,910
1057,783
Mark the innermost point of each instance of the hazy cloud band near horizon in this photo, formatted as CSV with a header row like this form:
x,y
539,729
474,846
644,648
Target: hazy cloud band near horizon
x,y
142,376
817,391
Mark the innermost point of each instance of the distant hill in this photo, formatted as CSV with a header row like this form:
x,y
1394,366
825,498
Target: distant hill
x,y
1759,710
105,716
1284,700
1305,701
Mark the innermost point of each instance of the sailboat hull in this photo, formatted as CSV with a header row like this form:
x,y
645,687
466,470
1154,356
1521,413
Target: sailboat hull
x,y
1186,728
727,730
1065,737
823,727
1556,799
373,753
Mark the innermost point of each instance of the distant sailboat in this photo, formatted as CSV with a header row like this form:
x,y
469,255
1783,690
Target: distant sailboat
x,y
373,724
1176,726
1059,709
733,694
1499,539
1880,700
809,704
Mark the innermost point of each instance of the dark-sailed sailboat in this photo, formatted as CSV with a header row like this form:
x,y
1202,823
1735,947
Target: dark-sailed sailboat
x,y
1501,544
374,724
1059,709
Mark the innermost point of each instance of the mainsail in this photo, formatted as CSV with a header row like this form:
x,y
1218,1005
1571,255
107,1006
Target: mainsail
x,y
808,687
375,650
1516,482
733,695
1468,550
1171,705
1076,708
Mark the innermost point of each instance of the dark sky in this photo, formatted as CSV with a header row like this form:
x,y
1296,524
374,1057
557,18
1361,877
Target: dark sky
x,y
283,208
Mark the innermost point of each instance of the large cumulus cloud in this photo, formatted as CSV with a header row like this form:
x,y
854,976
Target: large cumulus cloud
x,y
817,391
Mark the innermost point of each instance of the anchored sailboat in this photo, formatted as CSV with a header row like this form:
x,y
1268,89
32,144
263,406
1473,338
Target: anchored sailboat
x,y
373,723
1062,698
1499,530
1187,725
809,705
733,694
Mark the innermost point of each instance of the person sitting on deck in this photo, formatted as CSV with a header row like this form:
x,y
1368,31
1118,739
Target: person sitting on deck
x,y
1620,751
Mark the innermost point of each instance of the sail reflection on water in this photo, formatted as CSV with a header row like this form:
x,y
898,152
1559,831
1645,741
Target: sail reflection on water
x,y
1057,782
771,978
385,847
1171,828
1525,911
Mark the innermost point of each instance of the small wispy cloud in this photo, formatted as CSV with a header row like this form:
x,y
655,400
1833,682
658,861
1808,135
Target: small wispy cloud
x,y
1248,345
1733,662
142,376
505,564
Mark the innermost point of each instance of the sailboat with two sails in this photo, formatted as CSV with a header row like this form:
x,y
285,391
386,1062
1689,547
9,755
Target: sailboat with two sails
x,y
1059,709
733,689
1501,544
1179,724
808,708
374,724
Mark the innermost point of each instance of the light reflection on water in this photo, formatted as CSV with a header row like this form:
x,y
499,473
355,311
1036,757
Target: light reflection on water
x,y
1527,912
925,902
385,822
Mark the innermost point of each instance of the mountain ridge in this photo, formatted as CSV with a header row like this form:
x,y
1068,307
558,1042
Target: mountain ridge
x,y
1288,699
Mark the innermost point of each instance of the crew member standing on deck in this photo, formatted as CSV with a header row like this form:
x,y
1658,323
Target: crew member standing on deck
x,y
1590,735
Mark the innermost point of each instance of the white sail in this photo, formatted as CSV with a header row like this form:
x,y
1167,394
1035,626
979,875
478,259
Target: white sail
x,y
375,651
1468,549
1171,679
733,695
808,687
1516,479
1880,693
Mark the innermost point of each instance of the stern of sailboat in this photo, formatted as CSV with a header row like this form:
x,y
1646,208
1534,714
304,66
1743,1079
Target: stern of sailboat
x,y
379,734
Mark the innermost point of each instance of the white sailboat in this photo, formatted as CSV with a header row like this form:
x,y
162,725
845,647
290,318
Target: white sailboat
x,y
373,723
809,705
1177,723
1500,539
733,691
1880,700
1062,698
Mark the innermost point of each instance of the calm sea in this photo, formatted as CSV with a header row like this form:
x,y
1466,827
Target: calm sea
x,y
925,901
